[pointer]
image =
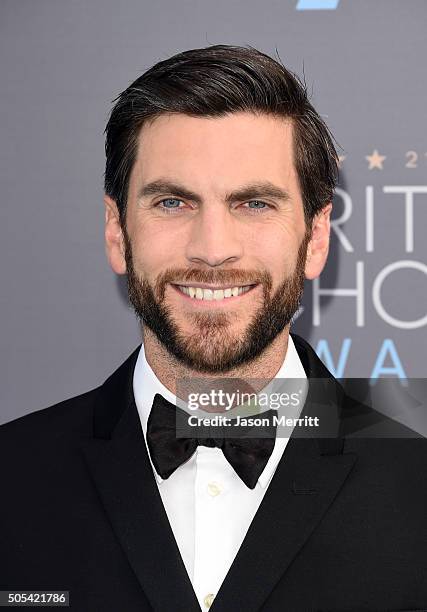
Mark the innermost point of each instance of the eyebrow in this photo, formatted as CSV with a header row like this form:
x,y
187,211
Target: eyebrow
x,y
246,192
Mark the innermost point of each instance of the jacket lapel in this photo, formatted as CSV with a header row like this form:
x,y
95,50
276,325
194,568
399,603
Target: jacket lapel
x,y
300,492
118,461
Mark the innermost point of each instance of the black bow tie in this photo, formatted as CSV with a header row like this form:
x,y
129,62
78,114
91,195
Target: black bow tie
x,y
248,456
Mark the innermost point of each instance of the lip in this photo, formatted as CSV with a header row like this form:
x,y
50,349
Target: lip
x,y
212,303
213,287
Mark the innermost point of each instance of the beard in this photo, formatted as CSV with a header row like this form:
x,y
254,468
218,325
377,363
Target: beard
x,y
211,347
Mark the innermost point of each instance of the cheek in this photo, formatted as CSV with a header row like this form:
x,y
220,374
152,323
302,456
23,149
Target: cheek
x,y
154,251
150,258
275,251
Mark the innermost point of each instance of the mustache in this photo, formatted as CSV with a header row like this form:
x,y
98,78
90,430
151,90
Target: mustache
x,y
213,277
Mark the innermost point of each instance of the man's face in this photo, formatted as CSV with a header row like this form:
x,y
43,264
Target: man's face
x,y
215,236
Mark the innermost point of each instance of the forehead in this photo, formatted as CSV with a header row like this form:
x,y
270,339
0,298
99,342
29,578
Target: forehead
x,y
220,151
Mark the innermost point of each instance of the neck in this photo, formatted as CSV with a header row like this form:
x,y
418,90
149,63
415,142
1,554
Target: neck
x,y
169,370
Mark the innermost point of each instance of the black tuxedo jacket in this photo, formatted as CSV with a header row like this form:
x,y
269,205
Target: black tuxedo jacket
x,y
342,526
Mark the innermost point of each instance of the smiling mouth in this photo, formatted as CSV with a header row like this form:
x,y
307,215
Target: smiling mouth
x,y
209,294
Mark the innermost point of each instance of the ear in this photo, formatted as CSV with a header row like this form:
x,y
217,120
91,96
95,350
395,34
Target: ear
x,y
114,243
318,247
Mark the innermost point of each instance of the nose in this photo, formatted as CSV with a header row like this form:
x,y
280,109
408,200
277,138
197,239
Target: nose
x,y
214,237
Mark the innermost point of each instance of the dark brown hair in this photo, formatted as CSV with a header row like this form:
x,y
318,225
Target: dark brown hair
x,y
212,82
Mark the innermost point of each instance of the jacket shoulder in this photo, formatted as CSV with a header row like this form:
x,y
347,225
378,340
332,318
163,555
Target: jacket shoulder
x,y
73,414
71,417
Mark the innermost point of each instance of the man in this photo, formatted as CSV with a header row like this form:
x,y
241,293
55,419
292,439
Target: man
x,y
219,180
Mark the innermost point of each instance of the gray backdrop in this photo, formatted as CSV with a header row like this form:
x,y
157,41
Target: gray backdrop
x,y
65,323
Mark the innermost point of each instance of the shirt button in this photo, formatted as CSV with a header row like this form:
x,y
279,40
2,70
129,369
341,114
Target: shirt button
x,y
208,600
214,489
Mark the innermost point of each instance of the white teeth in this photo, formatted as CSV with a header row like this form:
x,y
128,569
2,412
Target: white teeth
x,y
213,294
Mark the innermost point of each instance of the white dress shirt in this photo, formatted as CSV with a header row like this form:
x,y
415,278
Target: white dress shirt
x,y
209,507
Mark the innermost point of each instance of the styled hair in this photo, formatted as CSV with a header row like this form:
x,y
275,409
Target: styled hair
x,y
212,82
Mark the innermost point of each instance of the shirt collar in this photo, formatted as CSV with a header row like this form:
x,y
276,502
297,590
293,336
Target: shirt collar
x,y
146,385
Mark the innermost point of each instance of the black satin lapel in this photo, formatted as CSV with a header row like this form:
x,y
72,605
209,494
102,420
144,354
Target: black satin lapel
x,y
118,461
123,476
299,494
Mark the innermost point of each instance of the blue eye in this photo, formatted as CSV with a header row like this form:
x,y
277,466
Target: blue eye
x,y
174,201
256,206
257,202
